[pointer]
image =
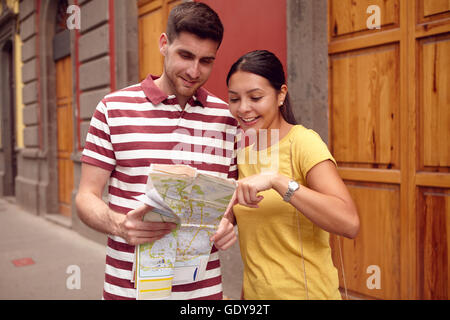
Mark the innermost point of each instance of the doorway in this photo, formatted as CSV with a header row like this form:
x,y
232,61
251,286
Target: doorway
x,y
8,121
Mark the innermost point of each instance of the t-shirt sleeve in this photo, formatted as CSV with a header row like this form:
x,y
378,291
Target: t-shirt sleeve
x,y
310,150
98,149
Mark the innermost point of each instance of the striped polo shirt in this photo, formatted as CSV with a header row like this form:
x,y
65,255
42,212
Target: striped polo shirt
x,y
140,125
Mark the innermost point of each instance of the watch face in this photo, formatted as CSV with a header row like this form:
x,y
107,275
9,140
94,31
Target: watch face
x,y
293,185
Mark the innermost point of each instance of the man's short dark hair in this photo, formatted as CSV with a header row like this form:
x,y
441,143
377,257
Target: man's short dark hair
x,y
196,18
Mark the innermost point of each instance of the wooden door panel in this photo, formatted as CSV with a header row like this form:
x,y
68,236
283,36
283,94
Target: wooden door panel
x,y
364,116
433,230
432,153
350,17
434,104
378,243
172,4
63,71
152,22
435,7
150,29
64,117
431,11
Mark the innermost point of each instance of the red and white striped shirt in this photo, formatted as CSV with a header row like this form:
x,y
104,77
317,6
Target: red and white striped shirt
x,y
140,125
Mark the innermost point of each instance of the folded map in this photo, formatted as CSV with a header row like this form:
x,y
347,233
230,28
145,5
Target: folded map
x,y
196,202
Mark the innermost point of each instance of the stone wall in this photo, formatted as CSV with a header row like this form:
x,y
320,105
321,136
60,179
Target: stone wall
x,y
27,179
308,63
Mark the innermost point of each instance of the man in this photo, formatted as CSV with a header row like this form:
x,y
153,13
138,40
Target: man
x,y
167,120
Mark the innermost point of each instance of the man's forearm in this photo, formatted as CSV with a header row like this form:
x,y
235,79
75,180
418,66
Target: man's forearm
x,y
95,213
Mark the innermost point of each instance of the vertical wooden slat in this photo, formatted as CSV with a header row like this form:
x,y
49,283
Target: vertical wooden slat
x,y
65,133
433,248
435,101
377,244
431,101
366,83
407,114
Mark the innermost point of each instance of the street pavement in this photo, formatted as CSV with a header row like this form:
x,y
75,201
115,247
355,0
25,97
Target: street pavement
x,y
40,259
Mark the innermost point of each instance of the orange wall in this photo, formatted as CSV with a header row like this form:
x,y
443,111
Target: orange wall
x,y
249,25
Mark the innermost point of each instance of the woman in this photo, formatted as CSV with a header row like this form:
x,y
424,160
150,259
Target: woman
x,y
289,203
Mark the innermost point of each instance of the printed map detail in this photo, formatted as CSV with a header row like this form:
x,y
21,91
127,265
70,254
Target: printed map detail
x,y
196,202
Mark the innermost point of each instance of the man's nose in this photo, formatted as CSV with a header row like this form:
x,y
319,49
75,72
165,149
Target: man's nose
x,y
194,71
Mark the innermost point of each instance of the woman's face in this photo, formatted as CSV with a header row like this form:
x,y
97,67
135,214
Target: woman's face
x,y
254,102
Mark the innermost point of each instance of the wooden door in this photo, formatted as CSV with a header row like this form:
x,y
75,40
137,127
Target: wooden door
x,y
65,133
152,21
390,131
430,97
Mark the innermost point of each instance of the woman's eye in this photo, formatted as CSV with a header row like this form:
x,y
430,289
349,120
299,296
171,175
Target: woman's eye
x,y
256,98
233,100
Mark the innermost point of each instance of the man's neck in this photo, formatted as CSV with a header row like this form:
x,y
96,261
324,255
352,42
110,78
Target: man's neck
x,y
169,90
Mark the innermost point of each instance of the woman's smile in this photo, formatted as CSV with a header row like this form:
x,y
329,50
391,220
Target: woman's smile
x,y
249,121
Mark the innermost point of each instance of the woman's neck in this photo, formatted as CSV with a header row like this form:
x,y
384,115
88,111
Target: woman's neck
x,y
268,137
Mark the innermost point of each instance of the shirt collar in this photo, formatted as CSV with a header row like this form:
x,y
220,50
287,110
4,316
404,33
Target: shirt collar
x,y
156,95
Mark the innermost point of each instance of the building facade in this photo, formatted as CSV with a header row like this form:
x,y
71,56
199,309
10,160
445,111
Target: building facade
x,y
370,76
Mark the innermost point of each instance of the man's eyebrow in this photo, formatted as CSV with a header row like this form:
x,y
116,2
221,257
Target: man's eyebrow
x,y
187,52
184,51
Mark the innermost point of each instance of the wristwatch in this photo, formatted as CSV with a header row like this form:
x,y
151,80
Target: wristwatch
x,y
292,187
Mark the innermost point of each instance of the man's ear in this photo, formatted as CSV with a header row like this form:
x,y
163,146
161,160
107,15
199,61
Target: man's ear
x,y
163,43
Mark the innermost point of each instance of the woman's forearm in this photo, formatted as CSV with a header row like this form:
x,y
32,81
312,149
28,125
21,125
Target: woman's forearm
x,y
329,212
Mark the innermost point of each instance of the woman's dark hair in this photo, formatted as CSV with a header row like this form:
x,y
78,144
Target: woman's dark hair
x,y
196,18
265,64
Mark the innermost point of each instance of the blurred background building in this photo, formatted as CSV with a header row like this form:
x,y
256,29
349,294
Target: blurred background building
x,y
380,98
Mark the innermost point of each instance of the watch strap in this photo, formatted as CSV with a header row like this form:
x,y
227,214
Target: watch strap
x,y
292,187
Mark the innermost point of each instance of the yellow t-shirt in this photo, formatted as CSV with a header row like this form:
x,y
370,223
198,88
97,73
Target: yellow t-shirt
x,y
269,236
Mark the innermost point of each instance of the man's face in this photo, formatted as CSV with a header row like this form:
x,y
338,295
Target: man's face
x,y
188,63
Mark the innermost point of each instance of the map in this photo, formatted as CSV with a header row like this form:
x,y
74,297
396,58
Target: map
x,y
196,202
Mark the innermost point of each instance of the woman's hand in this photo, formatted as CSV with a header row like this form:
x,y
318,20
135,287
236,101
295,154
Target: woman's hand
x,y
248,188
225,235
